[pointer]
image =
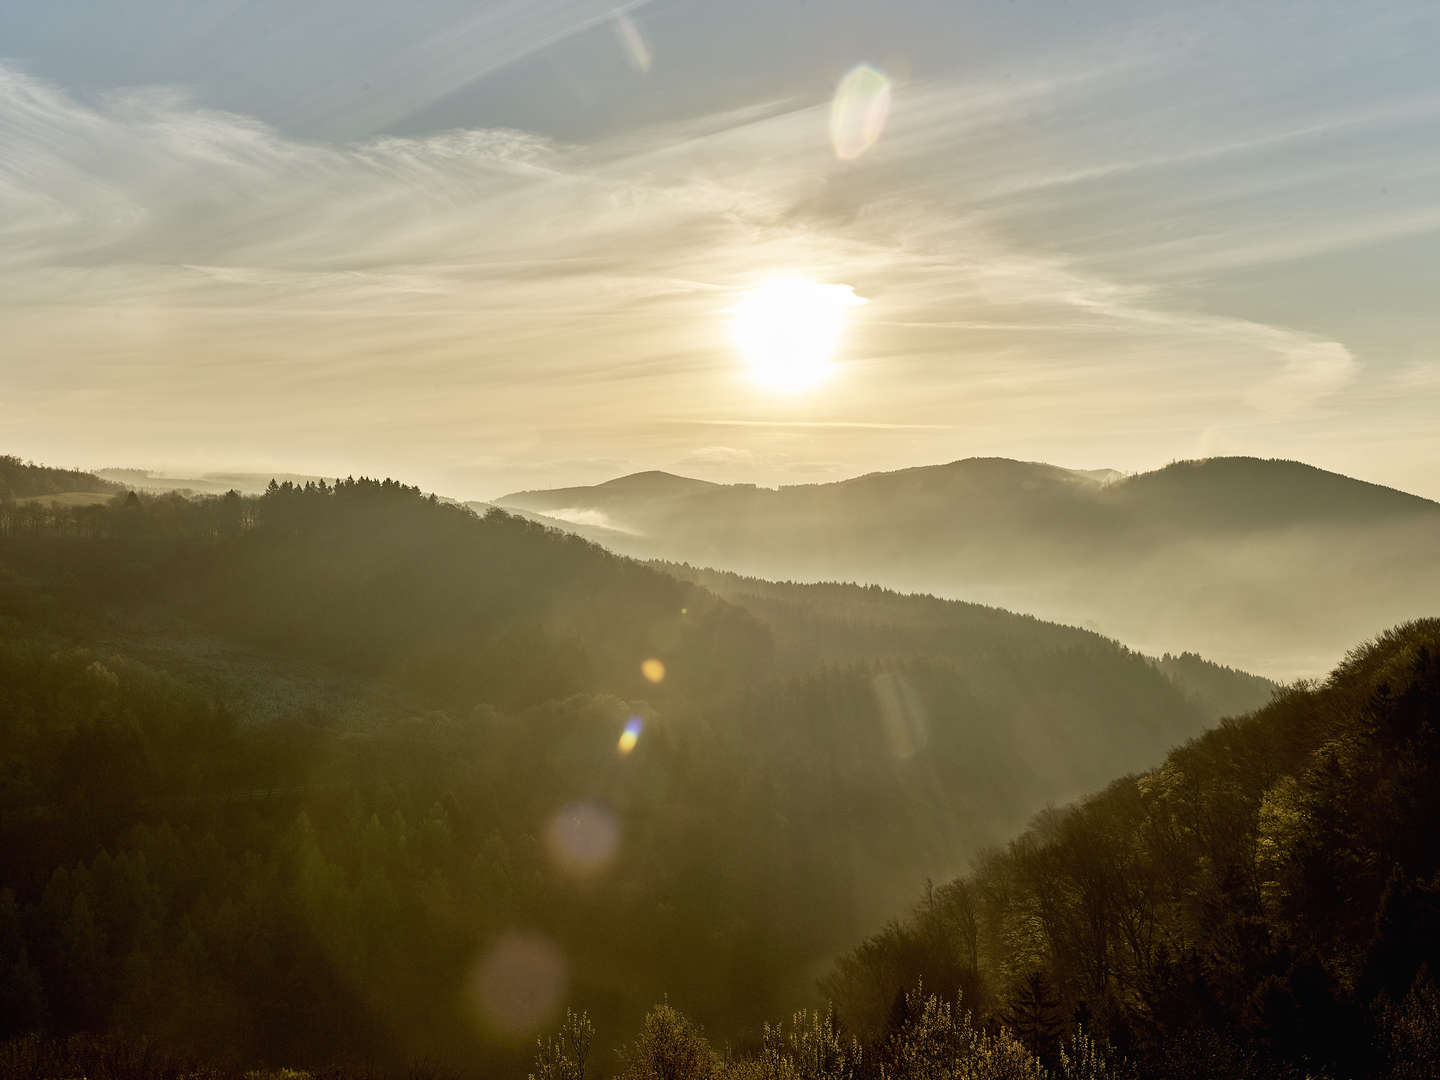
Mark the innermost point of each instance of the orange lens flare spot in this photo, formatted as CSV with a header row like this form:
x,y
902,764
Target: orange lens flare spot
x,y
653,670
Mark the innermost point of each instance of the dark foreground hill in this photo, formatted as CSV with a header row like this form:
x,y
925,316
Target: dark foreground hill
x,y
346,772
1270,565
1266,903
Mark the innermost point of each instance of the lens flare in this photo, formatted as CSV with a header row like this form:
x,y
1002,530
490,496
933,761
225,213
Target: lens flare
x,y
631,735
653,670
637,49
517,986
858,111
582,838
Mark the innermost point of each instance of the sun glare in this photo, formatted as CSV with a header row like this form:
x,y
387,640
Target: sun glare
x,y
788,331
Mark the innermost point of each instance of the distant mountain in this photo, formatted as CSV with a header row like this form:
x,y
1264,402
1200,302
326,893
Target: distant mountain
x,y
1268,565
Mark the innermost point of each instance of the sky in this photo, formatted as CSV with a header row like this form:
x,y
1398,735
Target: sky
x,y
499,244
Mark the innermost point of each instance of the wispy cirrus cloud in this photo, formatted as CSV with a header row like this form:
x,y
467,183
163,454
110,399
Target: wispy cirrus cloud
x,y
412,296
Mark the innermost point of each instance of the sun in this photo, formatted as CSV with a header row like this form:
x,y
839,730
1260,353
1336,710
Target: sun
x,y
788,330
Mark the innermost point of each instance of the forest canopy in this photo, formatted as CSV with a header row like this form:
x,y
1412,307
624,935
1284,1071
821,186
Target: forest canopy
x,y
305,777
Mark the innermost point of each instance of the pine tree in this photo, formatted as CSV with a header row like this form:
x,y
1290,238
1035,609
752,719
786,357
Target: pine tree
x,y
1034,1014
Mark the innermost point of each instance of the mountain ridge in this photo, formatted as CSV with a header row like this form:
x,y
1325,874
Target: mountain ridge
x,y
1102,477
1268,563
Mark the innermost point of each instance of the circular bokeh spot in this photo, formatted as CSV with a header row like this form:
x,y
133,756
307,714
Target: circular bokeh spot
x,y
517,987
582,838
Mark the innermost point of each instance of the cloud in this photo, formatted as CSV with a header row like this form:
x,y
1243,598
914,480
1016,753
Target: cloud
x,y
725,456
844,425
1312,371
589,515
408,79
422,294
1417,376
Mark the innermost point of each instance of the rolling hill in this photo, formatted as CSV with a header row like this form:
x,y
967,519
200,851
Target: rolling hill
x,y
1272,566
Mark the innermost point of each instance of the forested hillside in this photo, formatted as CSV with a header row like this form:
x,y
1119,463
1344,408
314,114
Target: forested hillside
x,y
574,777
839,623
1266,903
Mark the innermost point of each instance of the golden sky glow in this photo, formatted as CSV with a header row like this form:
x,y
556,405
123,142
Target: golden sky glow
x,y
506,269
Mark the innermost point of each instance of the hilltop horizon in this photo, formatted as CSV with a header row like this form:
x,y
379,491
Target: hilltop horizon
x,y
253,479
1270,565
1094,475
